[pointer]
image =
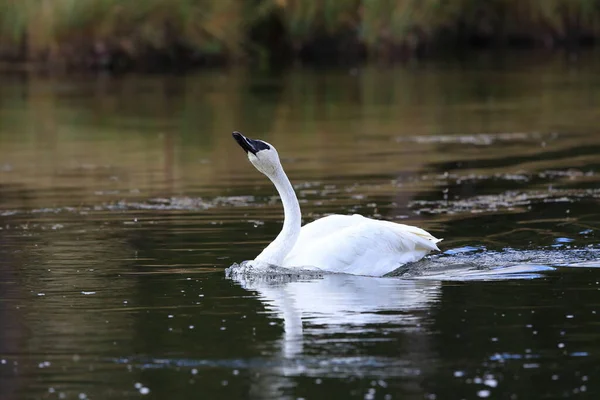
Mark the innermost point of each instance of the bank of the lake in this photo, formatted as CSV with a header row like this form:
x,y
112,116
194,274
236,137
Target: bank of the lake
x,y
175,34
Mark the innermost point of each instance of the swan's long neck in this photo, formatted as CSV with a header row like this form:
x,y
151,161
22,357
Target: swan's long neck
x,y
275,252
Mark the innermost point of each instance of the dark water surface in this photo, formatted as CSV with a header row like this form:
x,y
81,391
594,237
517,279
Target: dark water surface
x,y
122,201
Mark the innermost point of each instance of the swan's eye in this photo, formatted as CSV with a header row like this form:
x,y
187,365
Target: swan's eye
x,y
260,145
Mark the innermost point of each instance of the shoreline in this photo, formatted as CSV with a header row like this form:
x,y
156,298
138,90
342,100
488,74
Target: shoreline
x,y
180,35
154,64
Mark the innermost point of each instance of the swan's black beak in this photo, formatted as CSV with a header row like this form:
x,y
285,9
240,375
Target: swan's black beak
x,y
245,143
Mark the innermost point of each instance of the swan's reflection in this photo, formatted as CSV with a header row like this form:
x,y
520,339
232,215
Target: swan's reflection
x,y
339,325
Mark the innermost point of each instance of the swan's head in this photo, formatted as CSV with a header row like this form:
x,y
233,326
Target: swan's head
x,y
261,154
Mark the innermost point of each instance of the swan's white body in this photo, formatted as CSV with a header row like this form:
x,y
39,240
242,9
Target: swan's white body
x,y
357,245
349,244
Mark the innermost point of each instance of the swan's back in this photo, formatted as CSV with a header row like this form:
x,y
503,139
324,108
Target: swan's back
x,y
358,245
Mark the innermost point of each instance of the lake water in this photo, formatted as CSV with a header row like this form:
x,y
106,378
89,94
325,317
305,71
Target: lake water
x,y
123,200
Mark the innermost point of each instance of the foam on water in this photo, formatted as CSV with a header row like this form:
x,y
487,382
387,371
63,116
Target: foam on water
x,y
474,263
480,139
465,263
253,271
503,201
154,204
308,366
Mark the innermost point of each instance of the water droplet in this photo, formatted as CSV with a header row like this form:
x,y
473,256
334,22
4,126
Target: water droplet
x,y
491,382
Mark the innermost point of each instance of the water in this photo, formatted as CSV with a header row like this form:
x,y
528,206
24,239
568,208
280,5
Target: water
x,y
123,200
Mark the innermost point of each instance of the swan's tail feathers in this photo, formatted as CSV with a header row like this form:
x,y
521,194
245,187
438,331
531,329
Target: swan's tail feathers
x,y
423,239
428,243
434,242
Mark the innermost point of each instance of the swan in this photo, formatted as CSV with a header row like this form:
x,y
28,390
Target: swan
x,y
350,244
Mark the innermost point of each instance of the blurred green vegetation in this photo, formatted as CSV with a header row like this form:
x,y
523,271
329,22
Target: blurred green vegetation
x,y
114,33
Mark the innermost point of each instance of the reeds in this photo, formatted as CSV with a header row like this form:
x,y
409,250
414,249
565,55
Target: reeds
x,y
76,31
85,32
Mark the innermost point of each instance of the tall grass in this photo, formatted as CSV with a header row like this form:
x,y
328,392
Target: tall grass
x,y
71,30
545,22
96,31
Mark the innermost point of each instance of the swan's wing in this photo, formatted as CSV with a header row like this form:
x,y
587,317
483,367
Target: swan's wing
x,y
326,226
369,247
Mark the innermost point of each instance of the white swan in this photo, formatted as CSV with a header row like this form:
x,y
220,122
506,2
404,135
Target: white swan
x,y
349,244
